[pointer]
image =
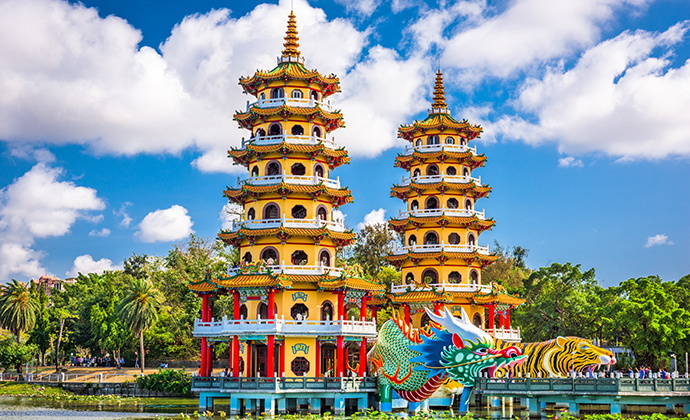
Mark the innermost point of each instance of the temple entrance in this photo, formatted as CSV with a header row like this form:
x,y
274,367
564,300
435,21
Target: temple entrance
x,y
261,357
328,360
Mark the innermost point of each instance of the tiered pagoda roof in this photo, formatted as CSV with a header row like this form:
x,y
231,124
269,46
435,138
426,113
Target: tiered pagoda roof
x,y
332,120
249,192
235,238
465,158
404,191
473,222
251,152
442,256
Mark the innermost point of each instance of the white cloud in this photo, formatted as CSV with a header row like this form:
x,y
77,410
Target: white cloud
x,y
660,239
103,232
374,217
122,212
230,213
31,153
570,162
618,99
362,7
165,225
38,205
85,264
527,32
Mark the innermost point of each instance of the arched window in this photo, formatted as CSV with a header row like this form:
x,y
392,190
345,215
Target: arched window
x,y
314,95
432,170
468,204
247,257
453,203
414,205
431,238
299,258
318,170
465,172
416,173
297,94
255,171
453,238
454,277
432,140
474,277
298,169
471,240
271,211
299,212
325,258
424,321
431,203
429,276
262,96
243,311
251,214
299,312
450,140
418,142
316,132
477,320
275,129
322,213
409,278
451,171
277,93
269,255
327,311
297,130
262,311
462,141
261,132
412,240
273,168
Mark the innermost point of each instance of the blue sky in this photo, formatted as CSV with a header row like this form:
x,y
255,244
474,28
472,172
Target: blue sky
x,y
115,117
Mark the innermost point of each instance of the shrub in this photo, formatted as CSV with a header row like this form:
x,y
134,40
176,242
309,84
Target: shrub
x,y
166,380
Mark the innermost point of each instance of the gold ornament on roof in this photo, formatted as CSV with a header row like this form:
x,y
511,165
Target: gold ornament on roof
x,y
439,93
291,39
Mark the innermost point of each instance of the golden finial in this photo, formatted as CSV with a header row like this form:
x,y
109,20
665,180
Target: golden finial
x,y
291,38
439,93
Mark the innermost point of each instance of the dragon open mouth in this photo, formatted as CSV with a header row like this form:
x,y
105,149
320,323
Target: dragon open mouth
x,y
507,363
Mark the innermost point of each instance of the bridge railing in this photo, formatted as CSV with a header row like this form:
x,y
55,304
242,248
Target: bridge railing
x,y
277,384
582,385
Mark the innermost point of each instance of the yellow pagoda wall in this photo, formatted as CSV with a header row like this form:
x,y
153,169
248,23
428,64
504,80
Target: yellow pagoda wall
x,y
442,270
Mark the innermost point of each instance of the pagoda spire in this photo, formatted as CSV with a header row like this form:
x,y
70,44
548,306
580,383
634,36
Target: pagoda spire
x,y
439,92
291,39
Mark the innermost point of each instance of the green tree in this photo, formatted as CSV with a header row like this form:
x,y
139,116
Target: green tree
x,y
18,308
372,245
509,270
138,310
136,265
40,334
558,303
14,354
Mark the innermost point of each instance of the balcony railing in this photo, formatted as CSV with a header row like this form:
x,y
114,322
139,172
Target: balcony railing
x,y
446,287
295,102
506,334
337,226
484,250
278,326
458,148
440,212
278,384
432,179
291,139
290,179
297,269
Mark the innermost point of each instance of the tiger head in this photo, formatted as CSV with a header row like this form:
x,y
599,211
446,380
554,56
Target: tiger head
x,y
581,354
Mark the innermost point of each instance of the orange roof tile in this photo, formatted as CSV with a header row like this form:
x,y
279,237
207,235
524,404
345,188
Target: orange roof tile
x,y
332,120
439,122
290,71
335,157
403,192
338,196
474,222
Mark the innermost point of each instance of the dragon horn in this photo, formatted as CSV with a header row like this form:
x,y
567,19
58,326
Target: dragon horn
x,y
462,327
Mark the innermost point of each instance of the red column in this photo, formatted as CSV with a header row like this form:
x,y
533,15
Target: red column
x,y
500,320
281,360
407,313
236,339
317,356
507,322
363,310
340,357
492,324
341,305
437,308
204,313
346,369
209,354
248,363
374,312
271,338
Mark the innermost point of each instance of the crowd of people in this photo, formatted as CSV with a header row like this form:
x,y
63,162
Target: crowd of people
x,y
105,361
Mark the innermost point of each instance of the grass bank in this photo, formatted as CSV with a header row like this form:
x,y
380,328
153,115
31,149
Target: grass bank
x,y
18,389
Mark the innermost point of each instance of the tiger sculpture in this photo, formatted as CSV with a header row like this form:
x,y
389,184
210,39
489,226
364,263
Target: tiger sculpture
x,y
558,356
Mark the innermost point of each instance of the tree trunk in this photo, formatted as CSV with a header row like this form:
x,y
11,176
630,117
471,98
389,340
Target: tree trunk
x,y
117,358
141,349
57,349
19,337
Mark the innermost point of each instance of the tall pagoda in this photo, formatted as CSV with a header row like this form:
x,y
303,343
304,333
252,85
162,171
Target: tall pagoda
x,y
442,259
291,298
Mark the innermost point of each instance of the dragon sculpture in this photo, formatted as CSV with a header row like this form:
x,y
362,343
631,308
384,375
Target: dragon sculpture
x,y
416,362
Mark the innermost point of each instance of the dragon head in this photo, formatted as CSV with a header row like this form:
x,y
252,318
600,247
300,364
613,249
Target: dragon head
x,y
461,351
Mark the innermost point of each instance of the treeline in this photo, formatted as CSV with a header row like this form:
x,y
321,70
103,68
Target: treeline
x,y
148,304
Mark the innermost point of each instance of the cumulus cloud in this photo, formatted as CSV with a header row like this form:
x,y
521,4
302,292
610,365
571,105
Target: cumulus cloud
x,y
103,232
374,217
618,99
30,153
38,205
122,212
361,7
165,225
660,239
570,162
85,264
527,32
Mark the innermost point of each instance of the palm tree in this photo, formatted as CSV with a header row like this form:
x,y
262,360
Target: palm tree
x,y
18,308
138,309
